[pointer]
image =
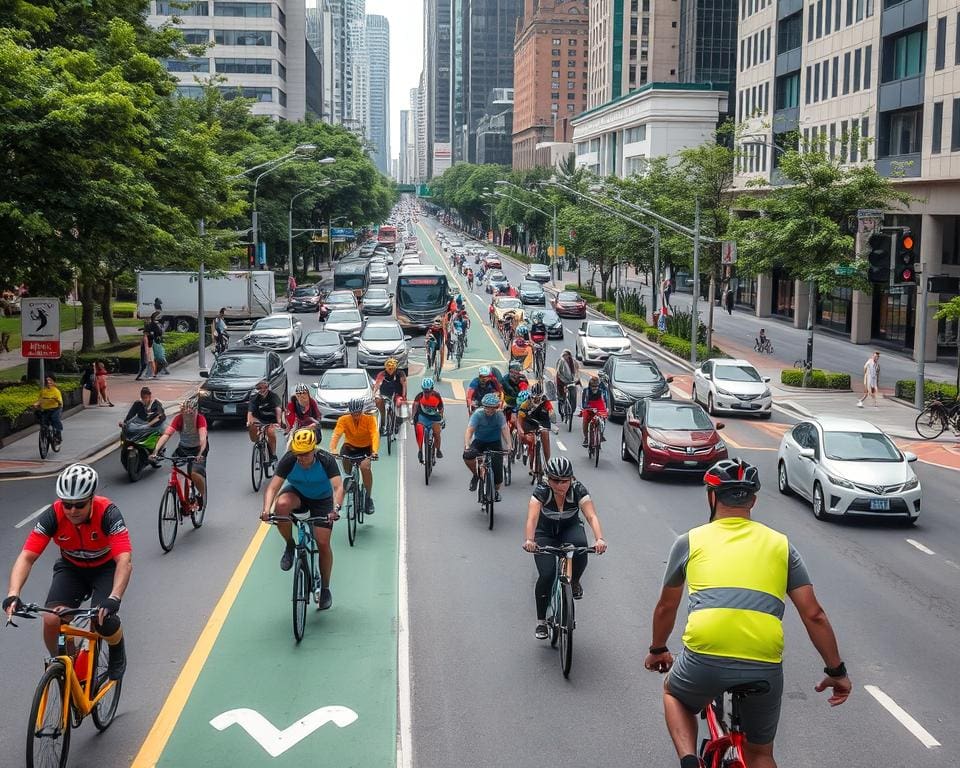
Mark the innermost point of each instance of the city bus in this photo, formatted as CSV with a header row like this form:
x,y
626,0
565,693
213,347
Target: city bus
x,y
422,293
387,236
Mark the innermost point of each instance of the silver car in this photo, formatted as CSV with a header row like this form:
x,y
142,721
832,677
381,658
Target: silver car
x,y
347,322
379,274
379,341
849,468
280,331
337,387
732,386
598,339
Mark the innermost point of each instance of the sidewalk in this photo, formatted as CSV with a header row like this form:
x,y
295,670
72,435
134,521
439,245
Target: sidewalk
x,y
68,340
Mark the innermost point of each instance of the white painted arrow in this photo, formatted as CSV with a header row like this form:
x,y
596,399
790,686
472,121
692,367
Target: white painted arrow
x,y
275,742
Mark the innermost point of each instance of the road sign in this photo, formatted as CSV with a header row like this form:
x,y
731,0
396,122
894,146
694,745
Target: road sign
x,y
561,251
40,328
868,220
728,252
346,232
844,269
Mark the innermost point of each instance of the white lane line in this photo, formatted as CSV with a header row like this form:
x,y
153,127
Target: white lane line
x,y
918,545
952,564
561,446
405,736
33,516
902,717
291,357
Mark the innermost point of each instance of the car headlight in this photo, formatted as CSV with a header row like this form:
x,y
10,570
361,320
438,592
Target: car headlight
x,y
203,394
721,391
841,482
666,393
656,444
619,394
911,484
720,446
767,393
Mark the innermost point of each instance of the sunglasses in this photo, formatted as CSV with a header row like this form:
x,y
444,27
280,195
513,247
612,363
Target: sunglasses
x,y
75,504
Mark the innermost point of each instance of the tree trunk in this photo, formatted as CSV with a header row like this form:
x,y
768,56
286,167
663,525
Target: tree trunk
x,y
604,280
811,315
88,303
106,291
712,293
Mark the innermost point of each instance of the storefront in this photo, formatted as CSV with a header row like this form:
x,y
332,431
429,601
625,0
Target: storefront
x,y
834,310
746,291
782,298
893,315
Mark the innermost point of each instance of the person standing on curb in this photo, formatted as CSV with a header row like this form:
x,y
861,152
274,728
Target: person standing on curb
x,y
666,289
871,379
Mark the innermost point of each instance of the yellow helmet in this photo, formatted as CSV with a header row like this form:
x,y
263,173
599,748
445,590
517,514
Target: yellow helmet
x,y
391,365
304,441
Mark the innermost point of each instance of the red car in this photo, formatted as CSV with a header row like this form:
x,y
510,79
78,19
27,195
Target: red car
x,y
671,436
569,304
491,261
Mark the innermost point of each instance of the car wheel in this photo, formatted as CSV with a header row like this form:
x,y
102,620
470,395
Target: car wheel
x,y
624,453
576,352
641,464
819,510
300,370
782,484
710,409
766,415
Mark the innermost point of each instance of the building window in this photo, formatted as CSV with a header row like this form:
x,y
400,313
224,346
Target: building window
x,y
244,66
787,91
555,41
790,33
554,51
810,23
849,12
187,65
242,37
955,132
555,74
867,65
819,19
257,94
555,86
556,97
826,79
555,63
835,77
195,36
177,8
806,89
956,45
857,61
571,84
904,55
281,44
571,108
936,135
246,10
941,54
903,132
859,10
283,98
190,91
846,73
844,141
571,41
827,14
816,82
571,74
282,71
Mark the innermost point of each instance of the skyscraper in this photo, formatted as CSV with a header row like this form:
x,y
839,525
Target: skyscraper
x,y
378,84
321,40
403,174
350,63
437,73
708,41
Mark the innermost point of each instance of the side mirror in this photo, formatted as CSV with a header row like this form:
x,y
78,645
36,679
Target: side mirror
x,y
719,425
910,457
407,338
766,379
807,453
669,379
204,374
633,423
581,332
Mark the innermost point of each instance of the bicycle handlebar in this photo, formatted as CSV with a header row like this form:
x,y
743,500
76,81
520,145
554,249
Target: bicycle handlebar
x,y
274,519
564,550
177,461
30,611
354,459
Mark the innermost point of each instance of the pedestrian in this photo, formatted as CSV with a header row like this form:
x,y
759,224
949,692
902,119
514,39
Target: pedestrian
x,y
89,382
871,379
102,385
666,288
291,284
159,351
728,300
4,342
147,363
662,320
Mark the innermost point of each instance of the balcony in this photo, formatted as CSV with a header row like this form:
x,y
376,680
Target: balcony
x,y
900,166
788,61
907,92
895,18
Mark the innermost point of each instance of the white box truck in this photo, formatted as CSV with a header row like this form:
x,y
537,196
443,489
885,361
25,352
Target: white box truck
x,y
246,295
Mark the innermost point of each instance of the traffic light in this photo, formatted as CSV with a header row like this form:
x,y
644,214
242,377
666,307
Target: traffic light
x,y
250,255
903,271
880,258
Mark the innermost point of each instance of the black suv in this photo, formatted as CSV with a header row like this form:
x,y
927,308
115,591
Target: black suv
x,y
631,378
230,381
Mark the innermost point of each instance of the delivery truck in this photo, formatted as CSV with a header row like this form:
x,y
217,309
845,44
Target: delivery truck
x,y
246,296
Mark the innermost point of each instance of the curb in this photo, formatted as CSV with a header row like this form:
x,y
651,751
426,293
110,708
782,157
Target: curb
x,y
53,469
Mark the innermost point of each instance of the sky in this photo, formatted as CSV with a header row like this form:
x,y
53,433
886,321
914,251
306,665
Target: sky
x,y
406,56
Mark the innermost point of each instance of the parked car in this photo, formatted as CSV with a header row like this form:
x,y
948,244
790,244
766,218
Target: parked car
x,y
230,381
347,322
492,261
337,387
379,341
569,304
848,468
553,322
336,300
538,272
670,436
279,331
598,339
377,301
322,350
733,386
306,298
631,378
496,282
532,293
379,274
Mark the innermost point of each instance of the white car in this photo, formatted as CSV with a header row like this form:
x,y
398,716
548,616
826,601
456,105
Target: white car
x,y
337,387
279,331
598,339
732,386
848,468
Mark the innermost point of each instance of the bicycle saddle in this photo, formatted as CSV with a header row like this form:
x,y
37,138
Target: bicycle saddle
x,y
750,689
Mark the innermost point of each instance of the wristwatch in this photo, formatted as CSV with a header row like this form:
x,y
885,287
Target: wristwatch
x,y
840,671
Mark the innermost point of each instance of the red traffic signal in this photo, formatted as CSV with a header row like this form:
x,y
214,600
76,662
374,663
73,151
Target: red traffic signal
x,y
904,273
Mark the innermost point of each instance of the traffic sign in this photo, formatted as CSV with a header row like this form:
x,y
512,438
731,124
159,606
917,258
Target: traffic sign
x,y
728,252
40,328
844,269
345,232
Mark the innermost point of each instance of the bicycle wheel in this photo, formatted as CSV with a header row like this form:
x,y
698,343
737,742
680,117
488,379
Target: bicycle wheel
x,y
169,518
595,443
360,494
44,442
566,628
553,619
48,732
105,710
351,518
508,468
428,456
491,495
198,511
55,444
437,366
931,422
256,466
301,595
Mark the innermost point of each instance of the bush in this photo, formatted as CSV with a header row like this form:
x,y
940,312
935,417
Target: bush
x,y
793,377
124,356
17,399
583,290
907,388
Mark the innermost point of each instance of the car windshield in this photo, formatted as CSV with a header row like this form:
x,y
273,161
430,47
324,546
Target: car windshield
x,y
550,317
604,329
382,333
343,380
340,298
679,417
529,285
322,339
568,296
309,290
736,373
497,276
238,367
270,323
510,303
379,269
859,446
344,316
636,373
375,293
539,268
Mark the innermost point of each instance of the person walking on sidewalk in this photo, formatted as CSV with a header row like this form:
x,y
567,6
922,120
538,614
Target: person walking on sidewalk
x,y
728,300
89,382
871,379
159,351
666,288
102,385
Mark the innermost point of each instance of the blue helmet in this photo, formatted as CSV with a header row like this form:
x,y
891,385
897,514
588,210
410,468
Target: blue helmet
x,y
490,400
523,330
426,384
522,396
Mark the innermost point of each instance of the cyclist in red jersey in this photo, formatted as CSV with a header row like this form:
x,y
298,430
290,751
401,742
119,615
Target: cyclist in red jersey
x,y
593,402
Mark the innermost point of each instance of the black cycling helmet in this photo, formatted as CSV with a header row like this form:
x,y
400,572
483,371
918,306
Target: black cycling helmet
x,y
733,481
559,466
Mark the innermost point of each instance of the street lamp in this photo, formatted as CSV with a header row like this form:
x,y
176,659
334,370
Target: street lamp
x,y
531,207
550,202
318,185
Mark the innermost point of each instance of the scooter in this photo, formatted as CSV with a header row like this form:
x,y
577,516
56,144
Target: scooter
x,y
137,441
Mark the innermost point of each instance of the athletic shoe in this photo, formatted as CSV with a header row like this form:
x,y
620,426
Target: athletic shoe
x,y
286,561
584,443
474,482
577,590
324,600
439,454
496,496
369,510
117,660
420,456
541,631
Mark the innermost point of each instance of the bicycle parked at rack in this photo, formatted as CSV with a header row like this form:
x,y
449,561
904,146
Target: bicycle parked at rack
x,y
723,747
937,415
355,495
180,500
46,435
595,435
260,464
487,489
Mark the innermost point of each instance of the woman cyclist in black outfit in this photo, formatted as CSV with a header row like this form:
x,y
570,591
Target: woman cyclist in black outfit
x,y
553,519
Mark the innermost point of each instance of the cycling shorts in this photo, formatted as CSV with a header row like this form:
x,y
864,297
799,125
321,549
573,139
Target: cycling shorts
x,y
353,451
311,507
427,420
477,448
200,465
73,584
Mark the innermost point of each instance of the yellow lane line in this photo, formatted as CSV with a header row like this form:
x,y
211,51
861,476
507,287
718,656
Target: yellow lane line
x,y
730,441
458,391
163,726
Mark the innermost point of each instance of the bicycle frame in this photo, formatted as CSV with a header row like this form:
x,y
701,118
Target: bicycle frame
x,y
183,488
722,740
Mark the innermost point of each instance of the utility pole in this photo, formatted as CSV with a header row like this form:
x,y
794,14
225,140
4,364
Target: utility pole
x,y
695,319
201,310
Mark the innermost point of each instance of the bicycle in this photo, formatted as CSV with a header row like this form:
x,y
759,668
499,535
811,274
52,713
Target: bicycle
x,y
355,495
306,573
539,359
513,455
723,748
560,614
595,435
260,464
429,452
765,346
179,500
223,341
47,436
537,464
390,424
487,489
458,348
803,365
567,405
67,692
936,416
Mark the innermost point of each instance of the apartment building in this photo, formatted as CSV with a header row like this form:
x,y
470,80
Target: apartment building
x,y
378,83
872,81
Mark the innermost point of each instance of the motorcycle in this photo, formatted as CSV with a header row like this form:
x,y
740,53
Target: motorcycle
x,y
137,441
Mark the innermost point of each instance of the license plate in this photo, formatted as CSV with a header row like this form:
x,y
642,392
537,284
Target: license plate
x,y
880,505
230,409
691,463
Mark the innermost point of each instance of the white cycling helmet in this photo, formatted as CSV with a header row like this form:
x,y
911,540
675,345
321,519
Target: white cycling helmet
x,y
77,482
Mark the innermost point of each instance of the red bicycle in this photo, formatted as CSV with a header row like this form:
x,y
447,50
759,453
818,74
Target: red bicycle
x,y
724,746
180,500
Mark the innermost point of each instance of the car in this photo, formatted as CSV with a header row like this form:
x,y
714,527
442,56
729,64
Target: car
x,y
553,322
492,261
379,341
538,272
321,350
732,386
848,468
532,293
629,379
570,304
368,248
670,436
504,304
279,331
337,300
598,339
337,387
305,298
379,274
225,393
377,301
496,282
381,250
347,322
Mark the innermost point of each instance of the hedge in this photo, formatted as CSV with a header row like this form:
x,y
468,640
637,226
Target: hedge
x,y
907,388
124,356
583,290
793,377
17,399
674,344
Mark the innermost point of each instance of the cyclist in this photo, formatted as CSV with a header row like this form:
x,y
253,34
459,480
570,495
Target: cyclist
x,y
470,278
307,480
193,444
361,437
95,561
50,404
520,348
390,382
538,329
427,413
738,574
568,371
461,324
537,411
512,383
265,410
486,430
434,341
146,409
485,383
554,519
593,402
303,412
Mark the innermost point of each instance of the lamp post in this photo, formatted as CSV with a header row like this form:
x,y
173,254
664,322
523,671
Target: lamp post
x,y
554,219
527,205
318,185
